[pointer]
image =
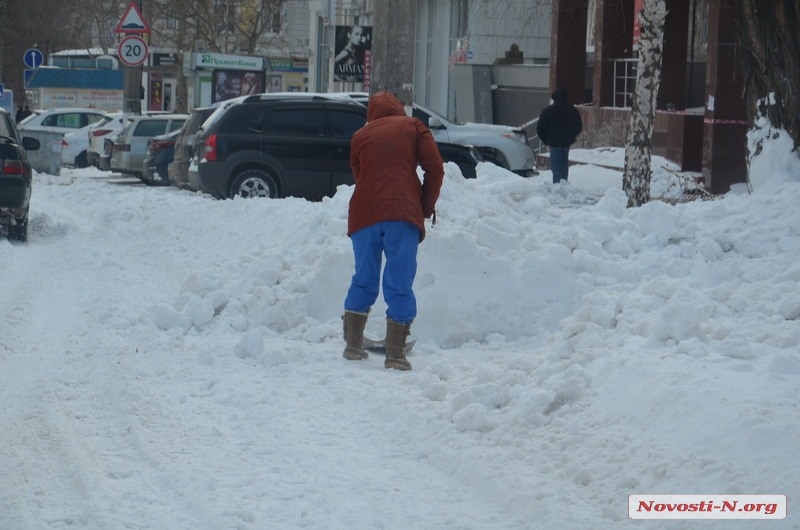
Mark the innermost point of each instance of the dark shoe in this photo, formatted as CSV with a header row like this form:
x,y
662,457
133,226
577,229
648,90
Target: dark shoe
x,y
396,334
354,324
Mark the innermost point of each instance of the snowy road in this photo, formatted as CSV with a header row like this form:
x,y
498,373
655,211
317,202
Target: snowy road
x,y
111,423
174,362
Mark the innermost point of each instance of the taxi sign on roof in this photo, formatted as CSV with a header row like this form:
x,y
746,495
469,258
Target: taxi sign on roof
x,y
132,21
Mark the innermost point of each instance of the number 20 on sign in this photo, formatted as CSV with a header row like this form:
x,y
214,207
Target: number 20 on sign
x,y
132,50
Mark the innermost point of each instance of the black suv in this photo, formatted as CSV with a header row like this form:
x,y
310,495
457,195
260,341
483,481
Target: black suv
x,y
271,146
264,147
16,179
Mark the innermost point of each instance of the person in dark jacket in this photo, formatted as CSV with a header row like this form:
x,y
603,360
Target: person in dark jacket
x,y
559,125
23,113
387,218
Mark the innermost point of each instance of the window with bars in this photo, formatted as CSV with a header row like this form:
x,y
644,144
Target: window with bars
x,y
624,82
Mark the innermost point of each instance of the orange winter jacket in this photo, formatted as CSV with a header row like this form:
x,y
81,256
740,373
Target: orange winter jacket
x,y
384,155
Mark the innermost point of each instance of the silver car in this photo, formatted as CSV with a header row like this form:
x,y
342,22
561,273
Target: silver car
x,y
130,146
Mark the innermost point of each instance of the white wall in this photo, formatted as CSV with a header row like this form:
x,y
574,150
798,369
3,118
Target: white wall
x,y
494,25
432,75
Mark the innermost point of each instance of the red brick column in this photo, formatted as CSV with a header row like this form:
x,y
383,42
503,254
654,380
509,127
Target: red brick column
x,y
568,48
725,120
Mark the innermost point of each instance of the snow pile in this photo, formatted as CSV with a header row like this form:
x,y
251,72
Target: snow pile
x,y
173,361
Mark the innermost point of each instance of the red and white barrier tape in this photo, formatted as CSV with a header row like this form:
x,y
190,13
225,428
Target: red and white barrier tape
x,y
717,121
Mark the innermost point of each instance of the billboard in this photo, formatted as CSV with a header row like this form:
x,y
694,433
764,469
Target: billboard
x,y
229,84
352,53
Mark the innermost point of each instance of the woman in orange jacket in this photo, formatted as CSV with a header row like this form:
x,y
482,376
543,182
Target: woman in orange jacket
x,y
387,217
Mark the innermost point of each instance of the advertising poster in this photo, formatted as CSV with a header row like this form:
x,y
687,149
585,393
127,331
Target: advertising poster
x,y
352,52
156,92
234,83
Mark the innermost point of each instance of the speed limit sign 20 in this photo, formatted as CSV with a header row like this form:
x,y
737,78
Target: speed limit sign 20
x,y
132,50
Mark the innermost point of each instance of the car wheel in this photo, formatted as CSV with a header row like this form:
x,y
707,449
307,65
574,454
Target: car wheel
x,y
82,160
163,175
253,183
494,157
18,230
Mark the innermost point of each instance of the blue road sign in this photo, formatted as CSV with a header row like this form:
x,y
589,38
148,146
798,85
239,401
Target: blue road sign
x,y
28,74
33,58
7,100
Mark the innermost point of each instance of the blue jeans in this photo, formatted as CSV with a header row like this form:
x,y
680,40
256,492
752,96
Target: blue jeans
x,y
399,241
559,163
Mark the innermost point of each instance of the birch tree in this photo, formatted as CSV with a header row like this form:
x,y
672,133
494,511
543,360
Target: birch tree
x,y
638,148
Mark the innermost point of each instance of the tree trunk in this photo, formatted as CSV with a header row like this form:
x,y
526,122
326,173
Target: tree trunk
x,y
393,44
637,173
770,42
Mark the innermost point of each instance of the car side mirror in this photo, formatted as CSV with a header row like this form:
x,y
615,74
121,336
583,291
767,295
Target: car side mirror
x,y
434,123
30,144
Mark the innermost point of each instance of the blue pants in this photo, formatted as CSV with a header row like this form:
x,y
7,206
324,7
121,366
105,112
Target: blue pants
x,y
559,163
399,241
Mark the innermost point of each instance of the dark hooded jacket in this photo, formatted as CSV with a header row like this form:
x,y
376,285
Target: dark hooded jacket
x,y
560,123
384,155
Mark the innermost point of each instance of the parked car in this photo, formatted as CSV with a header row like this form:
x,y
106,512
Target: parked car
x,y
184,145
62,120
16,178
272,147
502,145
104,162
112,124
160,152
75,145
465,157
178,169
130,145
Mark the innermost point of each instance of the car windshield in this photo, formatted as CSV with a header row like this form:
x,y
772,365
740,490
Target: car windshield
x,y
428,113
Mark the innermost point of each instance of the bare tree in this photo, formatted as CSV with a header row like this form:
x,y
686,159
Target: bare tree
x,y
102,16
770,41
637,172
48,25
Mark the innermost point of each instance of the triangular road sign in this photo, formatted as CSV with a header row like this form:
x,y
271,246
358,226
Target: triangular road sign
x,y
132,21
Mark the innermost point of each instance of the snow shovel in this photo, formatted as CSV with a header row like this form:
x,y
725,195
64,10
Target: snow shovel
x,y
379,346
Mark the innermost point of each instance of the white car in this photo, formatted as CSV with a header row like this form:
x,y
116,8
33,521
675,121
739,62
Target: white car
x,y
74,146
62,120
130,145
502,145
98,135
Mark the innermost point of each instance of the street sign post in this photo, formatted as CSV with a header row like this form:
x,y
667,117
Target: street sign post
x,y
33,58
132,21
132,50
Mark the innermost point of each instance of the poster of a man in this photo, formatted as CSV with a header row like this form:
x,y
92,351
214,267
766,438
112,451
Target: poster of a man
x,y
353,45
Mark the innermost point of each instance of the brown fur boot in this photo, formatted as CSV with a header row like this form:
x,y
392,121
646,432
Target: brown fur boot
x,y
396,334
354,324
